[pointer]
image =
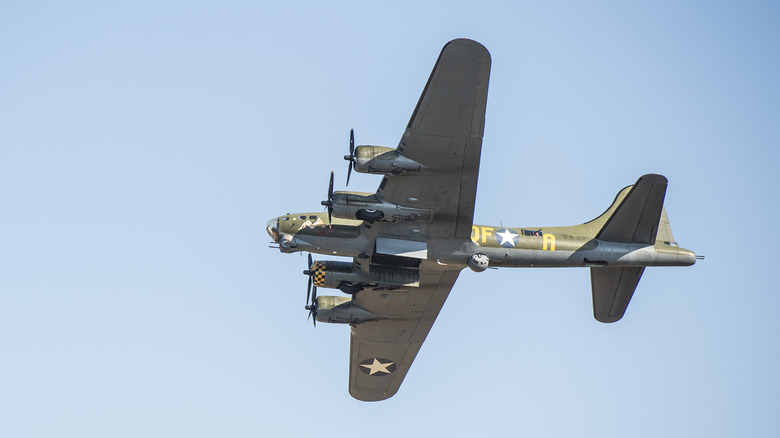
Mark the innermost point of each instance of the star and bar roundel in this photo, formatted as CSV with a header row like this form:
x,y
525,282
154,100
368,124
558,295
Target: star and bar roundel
x,y
377,366
507,238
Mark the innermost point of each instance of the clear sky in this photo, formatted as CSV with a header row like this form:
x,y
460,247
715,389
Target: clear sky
x,y
144,145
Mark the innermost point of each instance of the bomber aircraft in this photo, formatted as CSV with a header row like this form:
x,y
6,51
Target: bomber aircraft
x,y
410,239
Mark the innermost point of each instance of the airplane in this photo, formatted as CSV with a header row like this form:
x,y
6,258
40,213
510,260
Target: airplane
x,y
409,241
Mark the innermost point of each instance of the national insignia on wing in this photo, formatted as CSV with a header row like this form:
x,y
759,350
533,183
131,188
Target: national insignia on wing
x,y
377,367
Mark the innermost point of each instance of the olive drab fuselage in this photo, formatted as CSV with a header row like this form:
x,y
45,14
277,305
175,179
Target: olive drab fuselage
x,y
505,247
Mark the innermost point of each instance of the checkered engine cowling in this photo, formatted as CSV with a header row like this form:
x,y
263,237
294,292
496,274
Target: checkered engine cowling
x,y
331,274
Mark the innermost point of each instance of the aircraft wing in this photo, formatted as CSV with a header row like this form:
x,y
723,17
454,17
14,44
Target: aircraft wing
x,y
382,351
444,134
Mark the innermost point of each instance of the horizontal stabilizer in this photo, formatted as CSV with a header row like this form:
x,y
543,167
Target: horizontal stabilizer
x,y
637,218
612,291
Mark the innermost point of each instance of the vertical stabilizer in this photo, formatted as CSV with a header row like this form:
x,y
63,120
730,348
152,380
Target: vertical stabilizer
x,y
637,218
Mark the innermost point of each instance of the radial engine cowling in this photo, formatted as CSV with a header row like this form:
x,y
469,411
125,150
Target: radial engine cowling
x,y
380,159
341,310
479,262
332,274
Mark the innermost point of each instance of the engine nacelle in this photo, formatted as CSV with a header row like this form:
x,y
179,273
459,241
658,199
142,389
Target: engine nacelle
x,y
341,310
380,159
349,279
368,207
479,262
334,274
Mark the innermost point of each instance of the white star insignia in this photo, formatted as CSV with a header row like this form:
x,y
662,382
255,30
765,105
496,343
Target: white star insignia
x,y
507,238
378,367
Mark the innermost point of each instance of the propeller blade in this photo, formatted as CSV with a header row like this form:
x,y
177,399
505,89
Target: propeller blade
x,y
308,291
352,142
351,156
313,307
330,200
330,187
312,311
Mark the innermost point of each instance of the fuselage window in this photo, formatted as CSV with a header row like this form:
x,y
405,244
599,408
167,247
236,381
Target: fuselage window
x,y
536,233
313,217
302,216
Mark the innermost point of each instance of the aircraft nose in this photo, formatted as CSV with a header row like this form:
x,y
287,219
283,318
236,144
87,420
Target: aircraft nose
x,y
272,228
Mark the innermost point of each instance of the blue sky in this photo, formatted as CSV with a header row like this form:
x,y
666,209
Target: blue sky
x,y
144,145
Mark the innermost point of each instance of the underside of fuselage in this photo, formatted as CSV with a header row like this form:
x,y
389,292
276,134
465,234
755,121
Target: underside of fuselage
x,y
504,246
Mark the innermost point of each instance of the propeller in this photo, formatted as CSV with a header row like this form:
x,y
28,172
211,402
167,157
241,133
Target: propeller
x,y
329,202
312,308
351,157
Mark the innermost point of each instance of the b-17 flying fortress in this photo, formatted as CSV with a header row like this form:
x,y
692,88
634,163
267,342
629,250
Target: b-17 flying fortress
x,y
410,239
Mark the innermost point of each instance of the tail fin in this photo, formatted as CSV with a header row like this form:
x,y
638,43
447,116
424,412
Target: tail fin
x,y
640,217
637,218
